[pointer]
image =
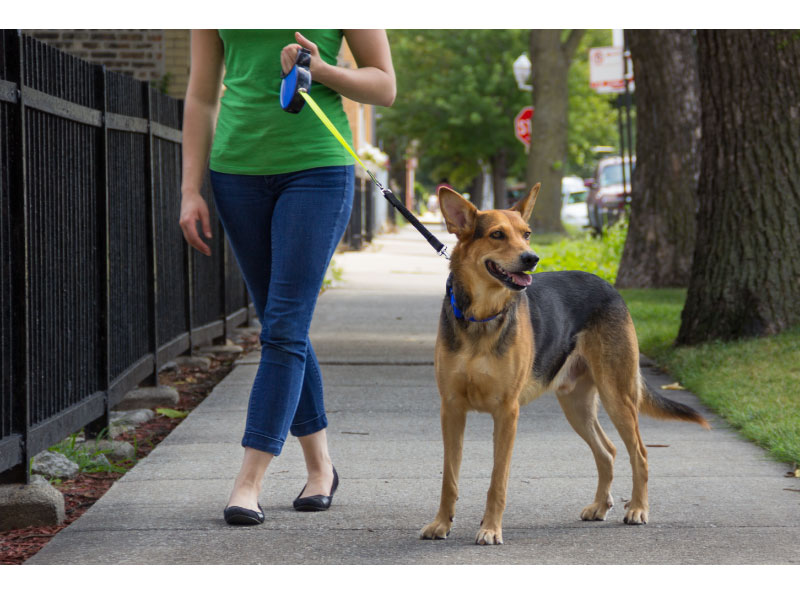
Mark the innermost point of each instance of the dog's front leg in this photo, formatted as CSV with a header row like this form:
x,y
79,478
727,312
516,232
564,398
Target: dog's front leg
x,y
454,420
505,431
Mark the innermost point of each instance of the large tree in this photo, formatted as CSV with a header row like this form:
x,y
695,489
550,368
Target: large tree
x,y
551,53
661,233
745,277
457,97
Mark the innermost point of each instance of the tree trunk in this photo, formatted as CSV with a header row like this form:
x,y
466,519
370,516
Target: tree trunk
x,y
661,233
550,60
499,172
476,190
746,274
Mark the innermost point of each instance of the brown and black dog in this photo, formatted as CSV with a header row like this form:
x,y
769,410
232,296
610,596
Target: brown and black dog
x,y
506,337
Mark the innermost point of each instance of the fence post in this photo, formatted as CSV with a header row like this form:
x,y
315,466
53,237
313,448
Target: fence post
x,y
97,426
18,211
152,379
223,254
219,234
369,212
355,216
188,258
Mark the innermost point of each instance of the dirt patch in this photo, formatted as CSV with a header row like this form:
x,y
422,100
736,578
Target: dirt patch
x,y
80,493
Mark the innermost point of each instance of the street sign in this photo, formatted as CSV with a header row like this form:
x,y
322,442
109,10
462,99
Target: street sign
x,y
522,125
606,70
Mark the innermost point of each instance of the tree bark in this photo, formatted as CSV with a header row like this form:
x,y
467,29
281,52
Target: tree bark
x,y
550,60
746,274
499,172
661,232
476,190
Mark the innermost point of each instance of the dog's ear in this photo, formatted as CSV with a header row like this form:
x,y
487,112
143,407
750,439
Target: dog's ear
x,y
525,206
459,213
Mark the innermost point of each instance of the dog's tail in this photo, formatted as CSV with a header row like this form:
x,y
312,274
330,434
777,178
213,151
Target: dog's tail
x,y
656,405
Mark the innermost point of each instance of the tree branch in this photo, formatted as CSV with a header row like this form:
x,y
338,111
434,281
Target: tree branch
x,y
569,47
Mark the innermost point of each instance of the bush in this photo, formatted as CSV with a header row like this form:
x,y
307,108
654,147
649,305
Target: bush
x,y
585,253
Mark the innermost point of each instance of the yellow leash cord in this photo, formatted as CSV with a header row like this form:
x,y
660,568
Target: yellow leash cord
x,y
327,122
432,240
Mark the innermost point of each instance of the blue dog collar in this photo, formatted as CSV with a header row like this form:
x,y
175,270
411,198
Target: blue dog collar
x,y
457,312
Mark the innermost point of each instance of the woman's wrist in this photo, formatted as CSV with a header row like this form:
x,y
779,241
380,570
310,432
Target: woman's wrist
x,y
321,71
190,189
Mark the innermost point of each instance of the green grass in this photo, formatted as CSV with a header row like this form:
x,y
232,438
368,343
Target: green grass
x,y
754,383
657,317
86,458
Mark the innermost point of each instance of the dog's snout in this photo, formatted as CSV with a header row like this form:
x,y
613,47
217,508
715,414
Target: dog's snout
x,y
528,260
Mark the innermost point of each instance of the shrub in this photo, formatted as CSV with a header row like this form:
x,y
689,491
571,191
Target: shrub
x,y
585,253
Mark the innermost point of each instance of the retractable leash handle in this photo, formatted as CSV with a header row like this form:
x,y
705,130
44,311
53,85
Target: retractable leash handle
x,y
294,95
296,79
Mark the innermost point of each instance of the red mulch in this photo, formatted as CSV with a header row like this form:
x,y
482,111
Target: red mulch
x,y
193,385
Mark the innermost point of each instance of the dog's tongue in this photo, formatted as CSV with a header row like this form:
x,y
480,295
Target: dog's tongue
x,y
521,279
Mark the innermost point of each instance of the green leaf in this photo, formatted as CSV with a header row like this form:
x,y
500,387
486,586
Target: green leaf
x,y
172,413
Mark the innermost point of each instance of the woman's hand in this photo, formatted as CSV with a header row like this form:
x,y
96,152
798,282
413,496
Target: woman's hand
x,y
373,82
289,54
194,208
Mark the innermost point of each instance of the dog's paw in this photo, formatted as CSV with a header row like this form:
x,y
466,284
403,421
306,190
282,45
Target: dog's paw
x,y
636,515
596,511
489,537
437,530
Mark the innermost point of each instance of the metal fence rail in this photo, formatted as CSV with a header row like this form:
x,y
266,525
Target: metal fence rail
x,y
98,287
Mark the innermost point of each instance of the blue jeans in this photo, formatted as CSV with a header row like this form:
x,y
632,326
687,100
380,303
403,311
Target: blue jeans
x,y
283,230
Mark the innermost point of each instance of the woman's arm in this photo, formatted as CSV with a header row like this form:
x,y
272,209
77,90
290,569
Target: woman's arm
x,y
373,82
199,113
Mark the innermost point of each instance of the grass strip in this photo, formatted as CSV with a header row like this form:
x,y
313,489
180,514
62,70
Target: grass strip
x,y
753,383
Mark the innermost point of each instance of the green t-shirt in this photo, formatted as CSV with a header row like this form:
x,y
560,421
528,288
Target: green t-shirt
x,y
254,136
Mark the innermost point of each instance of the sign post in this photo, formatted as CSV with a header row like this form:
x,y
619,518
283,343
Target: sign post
x,y
611,72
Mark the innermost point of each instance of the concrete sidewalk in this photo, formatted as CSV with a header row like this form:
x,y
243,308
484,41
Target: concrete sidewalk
x,y
715,499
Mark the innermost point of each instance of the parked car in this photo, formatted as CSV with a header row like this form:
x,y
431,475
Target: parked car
x,y
573,206
606,199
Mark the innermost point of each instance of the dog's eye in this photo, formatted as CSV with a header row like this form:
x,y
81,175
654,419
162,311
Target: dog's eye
x,y
527,235
498,235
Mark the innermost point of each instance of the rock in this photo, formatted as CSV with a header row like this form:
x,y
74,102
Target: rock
x,y
100,461
110,449
54,465
226,349
149,397
169,366
132,417
194,362
117,430
37,504
245,331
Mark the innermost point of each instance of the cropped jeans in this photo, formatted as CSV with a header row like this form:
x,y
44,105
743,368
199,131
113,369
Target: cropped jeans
x,y
283,230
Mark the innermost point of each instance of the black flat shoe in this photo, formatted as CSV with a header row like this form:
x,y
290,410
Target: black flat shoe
x,y
236,515
319,502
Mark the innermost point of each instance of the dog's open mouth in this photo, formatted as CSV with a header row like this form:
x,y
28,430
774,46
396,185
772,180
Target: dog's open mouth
x,y
516,281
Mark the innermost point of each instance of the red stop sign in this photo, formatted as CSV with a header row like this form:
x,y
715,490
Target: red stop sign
x,y
522,125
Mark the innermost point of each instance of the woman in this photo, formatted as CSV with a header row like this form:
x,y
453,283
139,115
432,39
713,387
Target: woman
x,y
283,188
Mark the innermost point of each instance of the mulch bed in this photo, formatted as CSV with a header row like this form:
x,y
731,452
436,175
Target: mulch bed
x,y
193,385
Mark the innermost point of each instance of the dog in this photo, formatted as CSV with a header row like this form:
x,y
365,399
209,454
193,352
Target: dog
x,y
506,337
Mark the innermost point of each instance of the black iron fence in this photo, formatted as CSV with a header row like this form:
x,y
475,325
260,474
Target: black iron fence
x,y
361,227
98,287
